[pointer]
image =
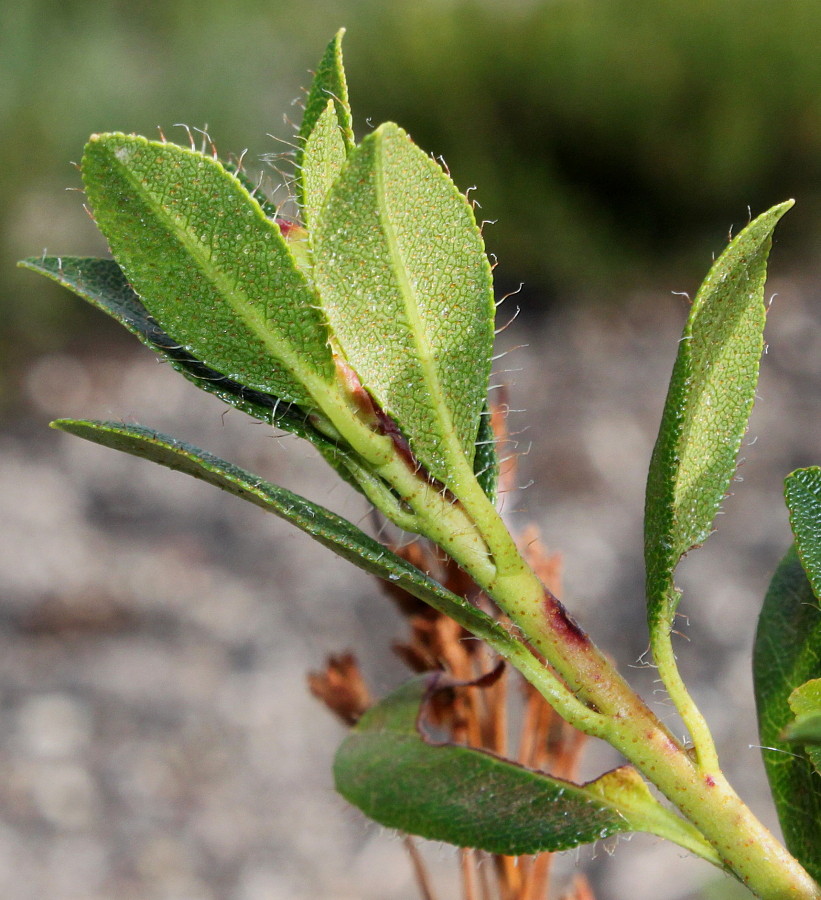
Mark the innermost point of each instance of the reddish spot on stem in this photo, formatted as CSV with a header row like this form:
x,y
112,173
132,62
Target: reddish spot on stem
x,y
667,744
562,622
391,429
709,781
285,226
372,413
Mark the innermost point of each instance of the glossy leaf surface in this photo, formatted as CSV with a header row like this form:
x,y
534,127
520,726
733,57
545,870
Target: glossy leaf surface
x,y
407,288
329,529
208,264
788,654
802,490
471,798
708,405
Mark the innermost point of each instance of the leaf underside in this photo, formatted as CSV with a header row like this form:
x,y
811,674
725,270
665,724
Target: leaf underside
x,y
208,264
788,654
708,405
401,268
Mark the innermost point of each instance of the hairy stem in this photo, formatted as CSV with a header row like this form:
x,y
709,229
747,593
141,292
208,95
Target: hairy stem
x,y
581,683
696,786
703,744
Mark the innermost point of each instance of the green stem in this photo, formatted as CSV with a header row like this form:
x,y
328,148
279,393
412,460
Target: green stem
x,y
700,792
695,786
586,690
703,744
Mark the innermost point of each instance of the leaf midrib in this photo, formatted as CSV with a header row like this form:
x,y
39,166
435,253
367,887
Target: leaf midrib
x,y
440,408
281,349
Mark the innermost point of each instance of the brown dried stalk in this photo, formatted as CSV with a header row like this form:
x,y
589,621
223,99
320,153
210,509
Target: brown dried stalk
x,y
477,718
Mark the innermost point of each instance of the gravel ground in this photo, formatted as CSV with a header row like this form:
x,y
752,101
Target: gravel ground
x,y
157,738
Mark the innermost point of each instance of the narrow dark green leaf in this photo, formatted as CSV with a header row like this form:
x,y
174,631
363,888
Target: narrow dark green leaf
x,y
208,264
400,265
102,283
788,654
708,405
802,490
471,798
331,530
486,460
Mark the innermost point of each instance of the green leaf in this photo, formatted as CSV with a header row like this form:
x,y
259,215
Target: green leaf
x,y
102,283
329,529
708,405
486,460
805,702
208,265
407,288
329,83
806,729
802,490
788,654
322,161
472,798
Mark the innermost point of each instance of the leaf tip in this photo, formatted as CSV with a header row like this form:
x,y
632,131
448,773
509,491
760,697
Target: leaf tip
x,y
780,208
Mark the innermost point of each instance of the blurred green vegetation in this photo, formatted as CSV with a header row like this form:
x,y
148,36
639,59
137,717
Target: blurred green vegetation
x,y
615,141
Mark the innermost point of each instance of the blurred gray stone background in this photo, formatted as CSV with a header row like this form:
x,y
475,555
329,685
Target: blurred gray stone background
x,y
156,735
157,740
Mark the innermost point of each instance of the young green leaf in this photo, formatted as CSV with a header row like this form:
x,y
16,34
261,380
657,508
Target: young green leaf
x,y
322,161
788,654
471,798
407,288
208,265
708,405
329,84
805,702
802,490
